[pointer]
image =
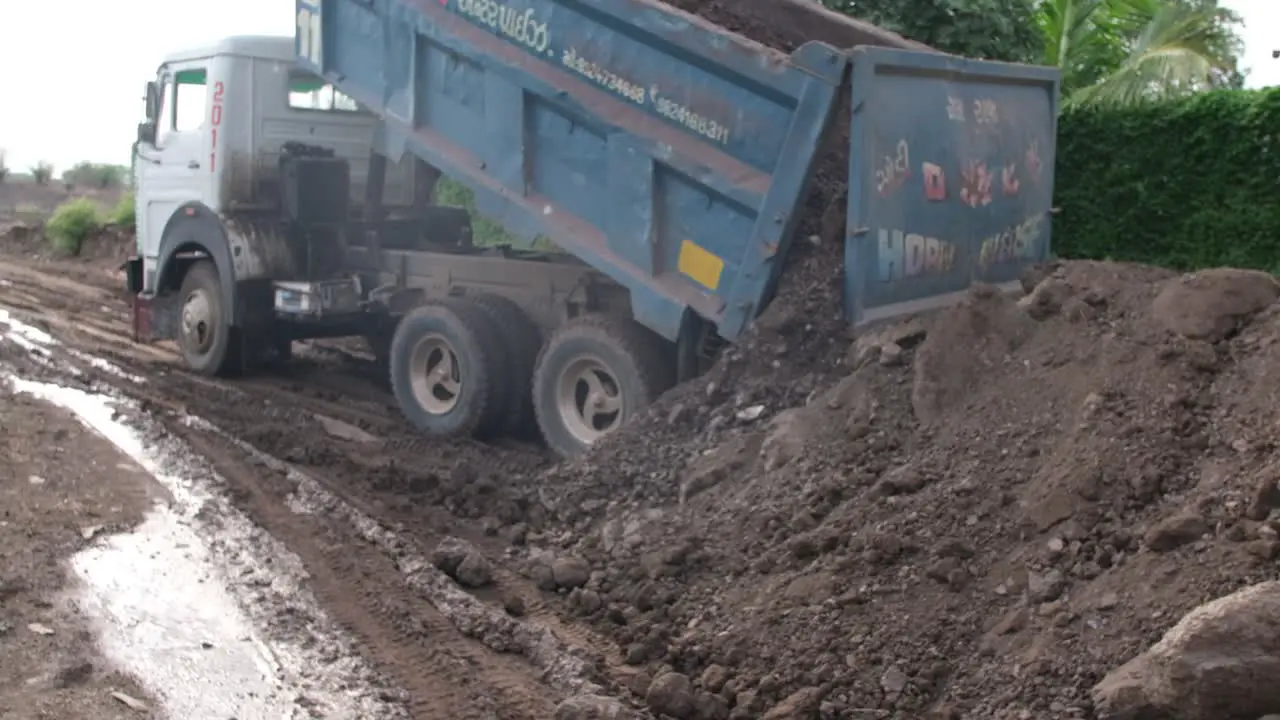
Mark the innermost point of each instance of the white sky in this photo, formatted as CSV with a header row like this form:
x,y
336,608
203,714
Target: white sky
x,y
72,72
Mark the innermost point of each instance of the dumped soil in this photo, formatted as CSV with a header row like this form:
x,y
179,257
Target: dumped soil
x,y
989,510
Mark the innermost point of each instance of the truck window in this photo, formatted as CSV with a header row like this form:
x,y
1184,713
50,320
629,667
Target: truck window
x,y
183,103
308,92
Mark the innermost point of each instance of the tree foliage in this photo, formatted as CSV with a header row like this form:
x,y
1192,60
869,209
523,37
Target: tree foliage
x,y
993,29
1130,51
41,173
96,175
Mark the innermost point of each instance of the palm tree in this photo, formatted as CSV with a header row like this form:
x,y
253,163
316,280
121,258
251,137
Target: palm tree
x,y
1129,51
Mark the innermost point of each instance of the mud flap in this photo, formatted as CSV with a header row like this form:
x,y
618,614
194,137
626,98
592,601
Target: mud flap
x,y
155,317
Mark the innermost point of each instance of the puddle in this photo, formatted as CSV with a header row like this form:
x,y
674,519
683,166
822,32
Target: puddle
x,y
39,343
164,616
165,610
162,613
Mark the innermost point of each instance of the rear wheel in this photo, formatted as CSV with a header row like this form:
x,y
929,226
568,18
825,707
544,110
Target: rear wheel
x,y
448,370
204,332
594,374
521,340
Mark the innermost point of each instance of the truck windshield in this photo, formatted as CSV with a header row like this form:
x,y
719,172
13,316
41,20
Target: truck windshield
x,y
308,92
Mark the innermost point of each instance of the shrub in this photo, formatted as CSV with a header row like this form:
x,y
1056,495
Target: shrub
x,y
71,224
484,232
1185,184
124,213
42,173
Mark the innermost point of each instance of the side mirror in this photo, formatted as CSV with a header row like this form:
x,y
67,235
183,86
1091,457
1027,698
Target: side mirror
x,y
153,100
147,132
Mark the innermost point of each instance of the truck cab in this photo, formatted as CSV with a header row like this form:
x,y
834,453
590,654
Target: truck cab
x,y
207,170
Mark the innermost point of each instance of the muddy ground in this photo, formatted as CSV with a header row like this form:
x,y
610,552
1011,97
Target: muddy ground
x,y
973,514
60,485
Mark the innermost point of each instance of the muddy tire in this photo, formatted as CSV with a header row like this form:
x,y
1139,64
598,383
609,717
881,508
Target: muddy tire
x,y
594,374
521,340
205,335
448,370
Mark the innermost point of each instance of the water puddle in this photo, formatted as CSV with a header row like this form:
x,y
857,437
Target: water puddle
x,y
161,612
166,610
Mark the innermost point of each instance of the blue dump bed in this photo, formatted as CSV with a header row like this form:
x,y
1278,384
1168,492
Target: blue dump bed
x,y
675,156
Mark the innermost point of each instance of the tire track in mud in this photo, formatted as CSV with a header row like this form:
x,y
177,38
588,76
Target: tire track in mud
x,y
446,676
422,489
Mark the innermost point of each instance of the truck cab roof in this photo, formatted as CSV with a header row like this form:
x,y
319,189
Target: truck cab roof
x,y
271,47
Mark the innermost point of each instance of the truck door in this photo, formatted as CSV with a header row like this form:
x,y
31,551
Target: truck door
x,y
177,169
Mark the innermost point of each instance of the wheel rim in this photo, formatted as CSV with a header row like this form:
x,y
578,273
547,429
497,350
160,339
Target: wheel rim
x,y
199,328
588,399
435,375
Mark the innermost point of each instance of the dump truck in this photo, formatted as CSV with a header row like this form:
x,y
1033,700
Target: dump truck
x,y
286,190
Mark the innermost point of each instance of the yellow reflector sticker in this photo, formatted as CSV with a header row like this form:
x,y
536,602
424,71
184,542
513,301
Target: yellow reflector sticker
x,y
702,266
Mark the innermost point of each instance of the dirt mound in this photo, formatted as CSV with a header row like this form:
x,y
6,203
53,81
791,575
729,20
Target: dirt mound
x,y
987,512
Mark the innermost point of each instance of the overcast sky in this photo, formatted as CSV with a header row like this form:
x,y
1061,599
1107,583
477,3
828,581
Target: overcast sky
x,y
72,72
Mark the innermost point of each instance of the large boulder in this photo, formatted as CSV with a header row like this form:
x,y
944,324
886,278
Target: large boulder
x,y
1220,662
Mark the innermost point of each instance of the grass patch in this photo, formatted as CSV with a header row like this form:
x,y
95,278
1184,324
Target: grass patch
x,y
125,213
71,224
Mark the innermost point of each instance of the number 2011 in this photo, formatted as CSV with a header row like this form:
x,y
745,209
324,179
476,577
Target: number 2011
x,y
215,120
309,34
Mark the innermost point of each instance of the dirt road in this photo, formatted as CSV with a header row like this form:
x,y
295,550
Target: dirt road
x,y
317,456
60,485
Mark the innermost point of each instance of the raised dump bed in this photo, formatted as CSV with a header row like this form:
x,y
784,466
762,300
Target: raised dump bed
x,y
674,155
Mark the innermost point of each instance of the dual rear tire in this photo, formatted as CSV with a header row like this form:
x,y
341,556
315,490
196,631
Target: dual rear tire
x,y
479,367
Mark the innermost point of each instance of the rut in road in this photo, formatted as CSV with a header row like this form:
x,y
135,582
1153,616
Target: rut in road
x,y
383,469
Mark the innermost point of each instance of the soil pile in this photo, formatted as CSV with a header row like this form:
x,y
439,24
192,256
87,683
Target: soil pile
x,y
991,509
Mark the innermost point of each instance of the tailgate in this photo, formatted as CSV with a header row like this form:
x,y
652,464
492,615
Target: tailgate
x,y
951,178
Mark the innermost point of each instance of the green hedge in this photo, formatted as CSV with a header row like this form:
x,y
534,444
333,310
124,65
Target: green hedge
x,y
1188,184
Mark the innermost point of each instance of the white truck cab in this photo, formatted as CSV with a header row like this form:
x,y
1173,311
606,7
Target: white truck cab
x,y
207,175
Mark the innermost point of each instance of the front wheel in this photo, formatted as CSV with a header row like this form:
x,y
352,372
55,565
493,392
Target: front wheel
x,y
594,374
204,332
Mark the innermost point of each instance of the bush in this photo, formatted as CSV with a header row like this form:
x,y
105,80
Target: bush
x,y
42,173
124,213
484,232
1185,184
71,224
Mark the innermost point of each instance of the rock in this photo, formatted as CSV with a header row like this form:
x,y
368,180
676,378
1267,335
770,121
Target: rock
x,y
1045,300
799,705
671,694
570,572
1266,497
891,354
513,604
1174,532
1046,586
1210,304
787,436
1218,662
543,577
714,678
594,707
129,701
474,571
450,553
893,682
709,707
